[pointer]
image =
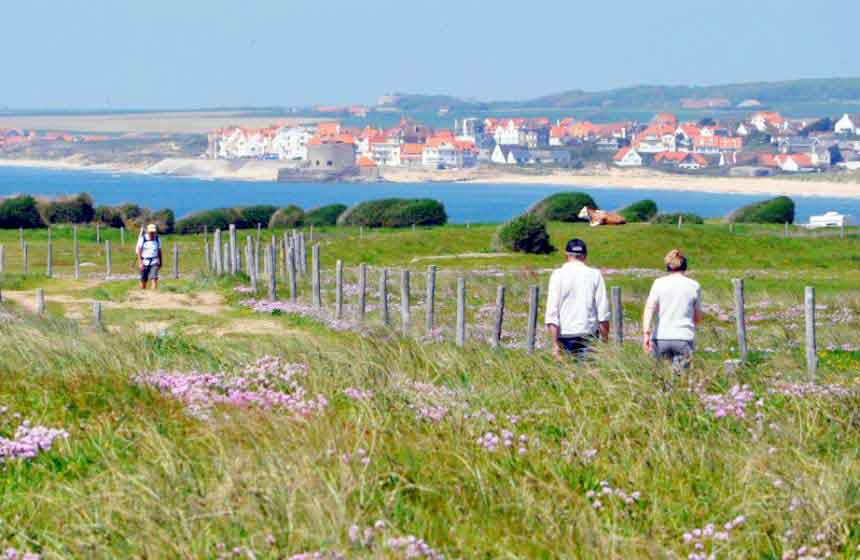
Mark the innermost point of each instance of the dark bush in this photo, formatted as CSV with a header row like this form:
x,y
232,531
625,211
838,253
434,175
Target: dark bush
x,y
641,211
164,219
288,217
76,209
324,215
20,212
108,216
562,207
394,213
220,218
777,210
129,211
250,216
672,218
523,234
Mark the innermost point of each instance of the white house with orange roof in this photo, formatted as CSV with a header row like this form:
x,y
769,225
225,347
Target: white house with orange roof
x,y
763,120
508,132
291,142
848,124
627,157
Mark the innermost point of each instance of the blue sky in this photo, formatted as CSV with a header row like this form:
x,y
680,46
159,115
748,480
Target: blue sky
x,y
207,53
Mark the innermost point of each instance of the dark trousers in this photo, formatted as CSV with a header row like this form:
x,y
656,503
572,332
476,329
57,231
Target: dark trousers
x,y
578,346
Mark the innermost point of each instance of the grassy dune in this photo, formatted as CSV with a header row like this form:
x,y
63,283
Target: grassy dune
x,y
476,453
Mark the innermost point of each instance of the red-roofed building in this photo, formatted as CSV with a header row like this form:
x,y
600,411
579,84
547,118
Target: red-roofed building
x,y
665,119
558,136
328,129
794,163
627,157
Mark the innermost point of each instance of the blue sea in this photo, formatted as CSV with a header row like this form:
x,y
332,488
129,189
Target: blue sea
x,y
473,203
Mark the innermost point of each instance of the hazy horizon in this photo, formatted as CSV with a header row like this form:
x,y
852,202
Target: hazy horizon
x,y
268,53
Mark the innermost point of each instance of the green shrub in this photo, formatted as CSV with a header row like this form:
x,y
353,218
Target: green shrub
x,y
20,211
777,210
219,218
394,213
562,207
523,234
164,219
324,215
129,211
641,211
250,216
288,217
108,216
76,209
672,218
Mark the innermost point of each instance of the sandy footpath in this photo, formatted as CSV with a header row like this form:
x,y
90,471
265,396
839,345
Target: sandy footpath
x,y
643,179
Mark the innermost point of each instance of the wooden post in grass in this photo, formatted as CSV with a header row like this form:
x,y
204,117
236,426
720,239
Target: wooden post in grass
x,y
496,340
122,235
108,263
176,261
40,301
234,264
383,296
2,260
785,231
431,298
405,319
270,258
98,233
617,316
216,251
531,331
21,238
291,275
362,291
311,235
225,257
461,311
740,318
26,256
97,314
304,254
338,290
680,220
315,276
76,253
259,234
49,269
249,259
285,249
811,344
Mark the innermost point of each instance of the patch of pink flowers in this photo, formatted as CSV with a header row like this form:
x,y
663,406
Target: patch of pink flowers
x,y
28,441
507,439
358,394
269,383
430,402
15,554
805,390
408,546
302,310
243,290
703,539
607,492
730,404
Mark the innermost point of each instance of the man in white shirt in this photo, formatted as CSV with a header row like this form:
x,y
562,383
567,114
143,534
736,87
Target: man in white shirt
x,y
149,256
677,301
577,309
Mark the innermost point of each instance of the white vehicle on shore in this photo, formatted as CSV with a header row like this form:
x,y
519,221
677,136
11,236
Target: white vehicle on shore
x,y
829,219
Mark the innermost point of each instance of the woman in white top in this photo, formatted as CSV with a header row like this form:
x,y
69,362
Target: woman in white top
x,y
149,256
677,300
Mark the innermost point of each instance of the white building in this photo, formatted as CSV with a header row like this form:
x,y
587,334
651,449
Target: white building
x,y
507,133
627,157
848,124
386,153
291,143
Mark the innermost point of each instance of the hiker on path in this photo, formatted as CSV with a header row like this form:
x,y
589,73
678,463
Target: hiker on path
x,y
677,301
149,256
577,309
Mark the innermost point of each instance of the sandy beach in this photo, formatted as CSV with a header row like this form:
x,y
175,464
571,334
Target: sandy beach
x,y
642,179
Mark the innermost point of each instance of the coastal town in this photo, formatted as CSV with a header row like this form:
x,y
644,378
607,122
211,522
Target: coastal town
x,y
764,143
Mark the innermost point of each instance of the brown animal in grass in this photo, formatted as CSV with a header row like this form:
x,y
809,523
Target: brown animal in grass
x,y
601,217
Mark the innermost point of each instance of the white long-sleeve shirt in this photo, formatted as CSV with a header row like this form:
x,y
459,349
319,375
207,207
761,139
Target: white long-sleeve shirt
x,y
576,300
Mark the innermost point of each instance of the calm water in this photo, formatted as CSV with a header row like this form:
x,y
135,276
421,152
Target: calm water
x,y
474,203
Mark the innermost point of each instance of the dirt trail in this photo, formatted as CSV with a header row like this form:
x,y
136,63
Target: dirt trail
x,y
206,303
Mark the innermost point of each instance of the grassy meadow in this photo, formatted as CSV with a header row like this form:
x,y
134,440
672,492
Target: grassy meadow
x,y
197,427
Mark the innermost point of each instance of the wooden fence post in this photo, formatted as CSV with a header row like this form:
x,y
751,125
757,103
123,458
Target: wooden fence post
x,y
225,257
680,220
26,257
291,274
49,272
40,300
21,238
2,260
461,311
785,230
122,235
270,258
97,314
76,253
176,261
531,331
315,276
98,233
338,290
362,291
740,318
431,298
617,315
108,261
496,340
405,319
249,258
383,296
216,251
811,343
234,265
